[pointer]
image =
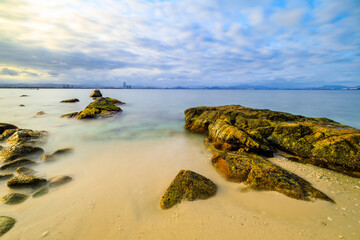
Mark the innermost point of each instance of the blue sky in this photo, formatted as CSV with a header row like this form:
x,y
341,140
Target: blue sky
x,y
189,43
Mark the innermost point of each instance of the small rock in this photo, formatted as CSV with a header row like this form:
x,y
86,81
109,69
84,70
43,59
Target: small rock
x,y
6,223
13,198
18,151
96,93
21,105
25,181
16,163
70,115
24,95
59,180
41,192
70,100
40,113
21,136
25,171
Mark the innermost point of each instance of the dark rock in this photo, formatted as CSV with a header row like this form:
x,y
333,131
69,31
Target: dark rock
x,y
25,181
21,105
6,223
25,171
317,141
70,115
16,163
187,185
29,136
18,151
96,93
6,176
13,198
59,180
40,113
5,126
70,100
56,154
262,175
7,133
41,192
24,95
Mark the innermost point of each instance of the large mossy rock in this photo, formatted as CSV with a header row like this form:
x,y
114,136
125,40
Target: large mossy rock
x,y
13,198
16,163
262,175
5,126
6,223
28,136
318,141
25,181
18,151
187,185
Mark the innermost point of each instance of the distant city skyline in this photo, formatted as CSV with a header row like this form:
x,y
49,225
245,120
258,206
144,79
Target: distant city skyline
x,y
160,43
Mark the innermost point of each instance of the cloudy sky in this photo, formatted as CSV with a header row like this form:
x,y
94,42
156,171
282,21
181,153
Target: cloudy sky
x,y
180,42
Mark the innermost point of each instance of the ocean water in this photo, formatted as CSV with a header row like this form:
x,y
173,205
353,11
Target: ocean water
x,y
122,165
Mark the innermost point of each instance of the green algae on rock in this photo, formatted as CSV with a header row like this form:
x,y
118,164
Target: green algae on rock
x,y
28,136
16,163
41,192
5,126
18,151
318,141
56,154
25,181
13,198
187,185
262,175
6,223
70,100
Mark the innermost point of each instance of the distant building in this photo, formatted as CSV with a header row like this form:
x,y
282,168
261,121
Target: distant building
x,y
126,86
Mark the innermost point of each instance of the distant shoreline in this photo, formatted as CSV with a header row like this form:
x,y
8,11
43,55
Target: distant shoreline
x,y
154,88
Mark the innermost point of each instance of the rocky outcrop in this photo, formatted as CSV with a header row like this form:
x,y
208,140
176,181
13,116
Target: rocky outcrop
x,y
262,175
70,100
6,223
56,154
187,185
13,198
96,93
16,163
29,136
18,151
5,126
25,181
59,180
317,141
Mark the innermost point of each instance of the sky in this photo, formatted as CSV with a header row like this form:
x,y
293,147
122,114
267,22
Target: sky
x,y
167,43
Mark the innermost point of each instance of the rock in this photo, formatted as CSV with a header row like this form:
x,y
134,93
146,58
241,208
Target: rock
x,y
5,126
18,151
40,113
24,95
59,180
13,198
187,185
6,223
41,192
114,101
70,115
56,154
318,141
99,107
262,175
25,181
7,133
25,171
70,100
5,176
27,136
96,93
21,105
16,163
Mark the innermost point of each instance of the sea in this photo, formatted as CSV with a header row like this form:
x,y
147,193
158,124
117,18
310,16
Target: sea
x,y
122,165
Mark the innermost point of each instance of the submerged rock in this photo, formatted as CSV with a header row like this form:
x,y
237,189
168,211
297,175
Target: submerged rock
x,y
262,175
96,93
18,151
5,126
25,181
317,141
187,185
59,180
27,136
41,192
6,223
5,176
13,198
70,115
70,100
56,154
25,171
16,163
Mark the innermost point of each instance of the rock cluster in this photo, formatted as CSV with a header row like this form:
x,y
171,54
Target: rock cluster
x,y
244,137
